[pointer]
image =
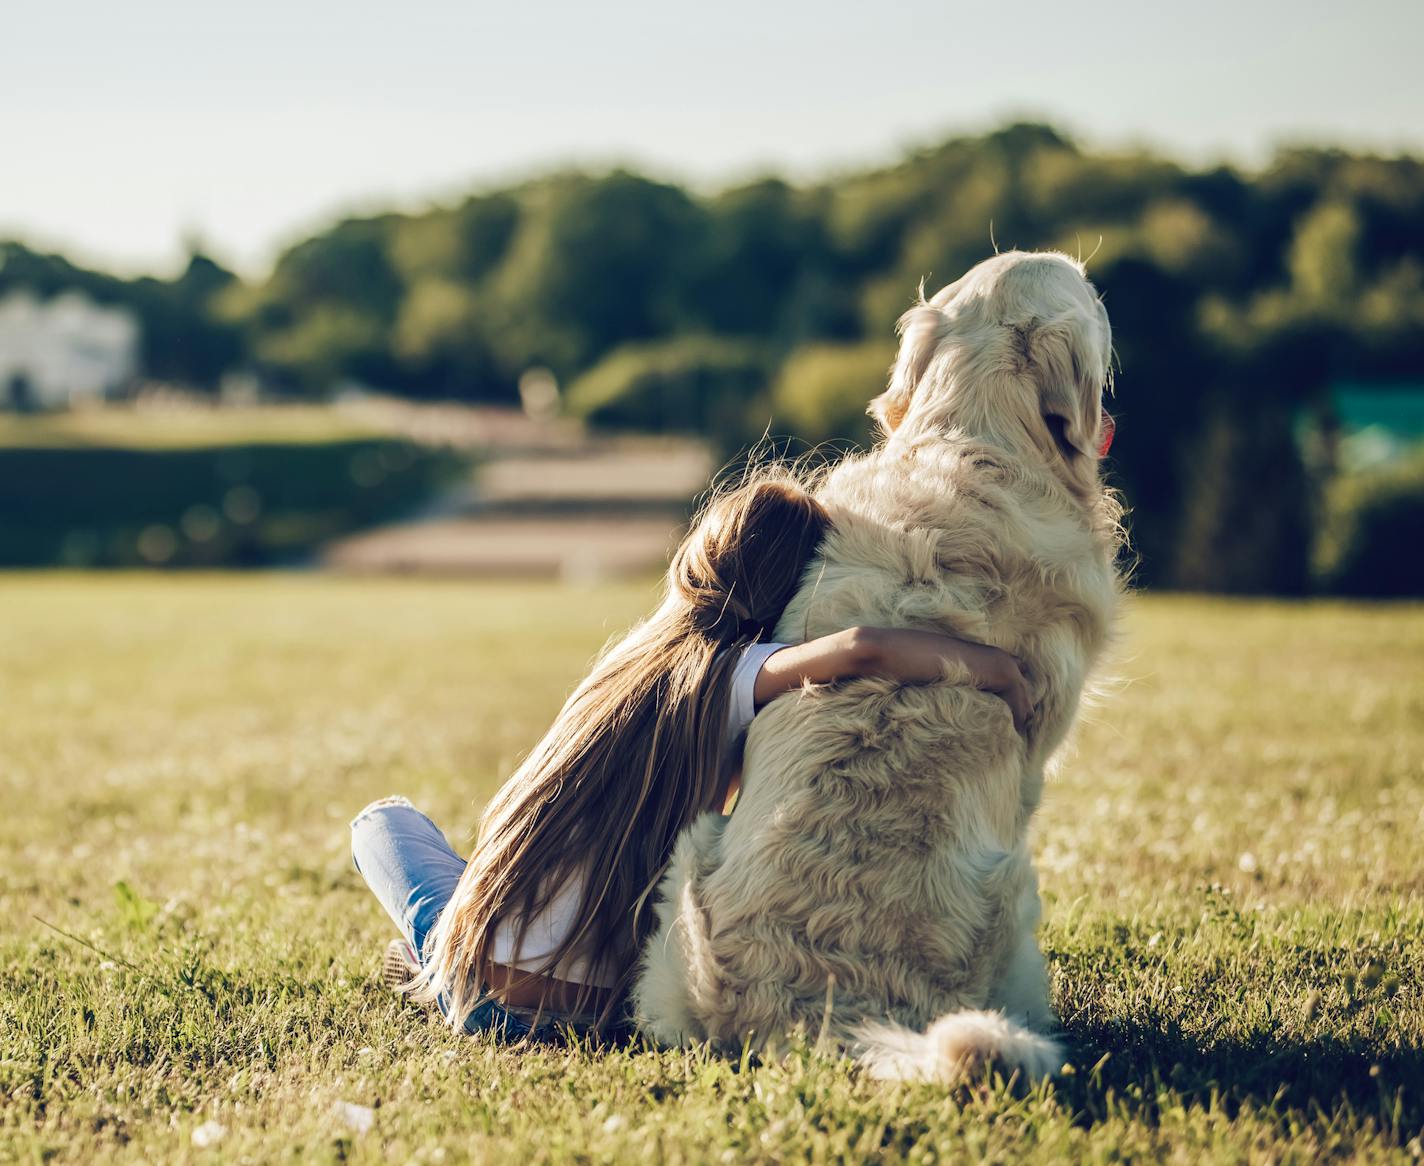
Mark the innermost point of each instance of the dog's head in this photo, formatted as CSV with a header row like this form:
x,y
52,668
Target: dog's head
x,y
1016,351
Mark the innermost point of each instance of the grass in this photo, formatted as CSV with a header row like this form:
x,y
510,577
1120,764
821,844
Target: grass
x,y
120,427
1230,863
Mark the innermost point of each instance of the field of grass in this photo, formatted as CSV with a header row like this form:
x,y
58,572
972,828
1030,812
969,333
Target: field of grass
x,y
1231,862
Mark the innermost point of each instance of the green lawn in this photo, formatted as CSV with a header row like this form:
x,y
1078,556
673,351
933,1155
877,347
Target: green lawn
x,y
119,427
1231,862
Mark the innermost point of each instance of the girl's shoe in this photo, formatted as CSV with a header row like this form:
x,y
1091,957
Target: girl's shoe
x,y
399,966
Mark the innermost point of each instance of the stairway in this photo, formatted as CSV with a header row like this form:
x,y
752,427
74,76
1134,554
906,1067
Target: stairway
x,y
574,507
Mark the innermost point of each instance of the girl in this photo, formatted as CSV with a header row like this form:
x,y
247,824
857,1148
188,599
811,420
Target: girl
x,y
546,920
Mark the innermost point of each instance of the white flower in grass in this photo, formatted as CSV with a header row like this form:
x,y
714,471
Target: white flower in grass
x,y
210,1133
357,1118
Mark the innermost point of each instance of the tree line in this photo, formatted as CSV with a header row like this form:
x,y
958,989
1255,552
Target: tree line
x,y
1238,298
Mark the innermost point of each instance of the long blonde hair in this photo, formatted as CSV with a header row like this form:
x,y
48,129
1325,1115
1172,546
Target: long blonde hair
x,y
637,752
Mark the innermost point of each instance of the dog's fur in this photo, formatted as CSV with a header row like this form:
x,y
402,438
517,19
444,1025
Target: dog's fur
x,y
874,884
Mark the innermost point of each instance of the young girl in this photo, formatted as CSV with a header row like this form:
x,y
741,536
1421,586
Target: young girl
x,y
545,921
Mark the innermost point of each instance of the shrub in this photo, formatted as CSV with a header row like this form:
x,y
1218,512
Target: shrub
x,y
694,384
1372,536
242,504
823,389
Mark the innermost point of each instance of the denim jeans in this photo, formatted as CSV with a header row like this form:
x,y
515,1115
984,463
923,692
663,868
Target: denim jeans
x,y
413,871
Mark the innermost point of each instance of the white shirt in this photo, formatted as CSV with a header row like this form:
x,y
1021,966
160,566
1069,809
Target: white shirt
x,y
549,928
546,931
741,695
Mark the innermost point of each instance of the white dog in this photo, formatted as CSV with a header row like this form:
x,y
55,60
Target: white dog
x,y
874,884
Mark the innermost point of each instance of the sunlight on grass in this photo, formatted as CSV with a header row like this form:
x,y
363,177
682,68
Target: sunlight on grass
x,y
121,427
1230,862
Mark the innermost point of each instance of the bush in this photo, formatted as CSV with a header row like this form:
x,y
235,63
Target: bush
x,y
1372,537
243,504
823,389
696,384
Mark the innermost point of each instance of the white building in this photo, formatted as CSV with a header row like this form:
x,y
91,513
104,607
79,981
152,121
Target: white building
x,y
62,351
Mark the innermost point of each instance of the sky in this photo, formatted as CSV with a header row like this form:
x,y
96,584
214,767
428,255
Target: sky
x,y
127,130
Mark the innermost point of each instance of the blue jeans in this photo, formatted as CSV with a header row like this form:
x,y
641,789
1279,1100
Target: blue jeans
x,y
413,871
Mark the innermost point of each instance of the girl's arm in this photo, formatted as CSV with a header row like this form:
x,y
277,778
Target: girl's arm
x,y
897,654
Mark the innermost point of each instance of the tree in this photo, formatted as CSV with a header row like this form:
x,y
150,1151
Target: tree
x,y
596,262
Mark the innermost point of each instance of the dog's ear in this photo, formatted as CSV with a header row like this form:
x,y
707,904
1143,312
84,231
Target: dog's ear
x,y
921,330
1070,388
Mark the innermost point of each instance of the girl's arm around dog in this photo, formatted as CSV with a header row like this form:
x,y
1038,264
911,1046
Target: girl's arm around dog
x,y
903,654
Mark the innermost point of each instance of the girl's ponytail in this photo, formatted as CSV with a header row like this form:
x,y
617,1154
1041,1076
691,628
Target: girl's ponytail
x,y
741,563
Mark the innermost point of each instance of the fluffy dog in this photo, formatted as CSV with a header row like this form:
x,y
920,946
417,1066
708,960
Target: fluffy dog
x,y
874,884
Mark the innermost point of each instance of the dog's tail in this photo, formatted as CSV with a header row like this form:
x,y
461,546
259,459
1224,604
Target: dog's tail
x,y
955,1046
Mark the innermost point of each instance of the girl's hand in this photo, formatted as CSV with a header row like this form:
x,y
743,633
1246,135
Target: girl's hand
x,y
912,657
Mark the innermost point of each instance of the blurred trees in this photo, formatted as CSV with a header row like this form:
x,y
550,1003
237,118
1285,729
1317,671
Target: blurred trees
x,y
594,263
184,336
691,384
820,392
1237,300
1372,530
